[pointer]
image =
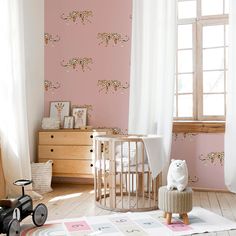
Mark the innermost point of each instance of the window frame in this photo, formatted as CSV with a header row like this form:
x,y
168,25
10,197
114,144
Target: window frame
x,y
198,127
197,91
199,72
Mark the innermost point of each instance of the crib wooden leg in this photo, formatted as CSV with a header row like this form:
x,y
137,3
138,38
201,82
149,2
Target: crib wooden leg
x,y
185,218
168,218
165,214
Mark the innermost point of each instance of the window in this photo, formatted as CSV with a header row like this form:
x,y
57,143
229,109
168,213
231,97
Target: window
x,y
201,64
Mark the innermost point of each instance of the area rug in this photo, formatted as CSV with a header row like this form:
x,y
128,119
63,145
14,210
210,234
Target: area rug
x,y
138,224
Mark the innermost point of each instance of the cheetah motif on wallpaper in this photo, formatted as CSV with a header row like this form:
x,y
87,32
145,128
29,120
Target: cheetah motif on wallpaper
x,y
184,136
213,157
49,85
50,38
115,85
115,130
194,179
74,16
73,63
115,38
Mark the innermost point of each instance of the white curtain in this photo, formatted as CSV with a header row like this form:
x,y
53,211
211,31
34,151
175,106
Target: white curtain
x,y
13,118
230,132
153,69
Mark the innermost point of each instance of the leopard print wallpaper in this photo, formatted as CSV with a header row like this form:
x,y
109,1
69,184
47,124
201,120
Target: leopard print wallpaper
x,y
87,57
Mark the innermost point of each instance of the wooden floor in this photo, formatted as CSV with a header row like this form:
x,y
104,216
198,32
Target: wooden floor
x,y
71,201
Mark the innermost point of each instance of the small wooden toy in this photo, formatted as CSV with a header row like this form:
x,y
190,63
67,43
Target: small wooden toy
x,y
13,211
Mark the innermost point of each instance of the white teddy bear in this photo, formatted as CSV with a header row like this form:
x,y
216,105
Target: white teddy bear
x,y
177,176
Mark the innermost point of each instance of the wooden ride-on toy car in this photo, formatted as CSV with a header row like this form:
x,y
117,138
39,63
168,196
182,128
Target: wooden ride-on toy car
x,y
13,211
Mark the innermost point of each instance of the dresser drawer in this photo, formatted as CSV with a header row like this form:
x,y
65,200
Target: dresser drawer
x,y
71,168
70,149
65,152
67,138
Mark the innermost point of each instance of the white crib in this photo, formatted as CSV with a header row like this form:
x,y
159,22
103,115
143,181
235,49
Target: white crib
x,y
123,180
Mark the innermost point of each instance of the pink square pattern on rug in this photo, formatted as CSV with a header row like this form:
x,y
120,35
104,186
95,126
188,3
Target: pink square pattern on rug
x,y
178,226
77,226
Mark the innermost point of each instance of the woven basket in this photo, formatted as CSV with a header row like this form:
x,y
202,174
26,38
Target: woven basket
x,y
42,177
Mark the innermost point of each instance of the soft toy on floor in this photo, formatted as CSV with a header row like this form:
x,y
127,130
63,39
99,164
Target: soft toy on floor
x,y
177,176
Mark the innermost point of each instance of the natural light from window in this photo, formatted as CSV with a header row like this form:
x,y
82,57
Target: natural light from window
x,y
65,197
201,71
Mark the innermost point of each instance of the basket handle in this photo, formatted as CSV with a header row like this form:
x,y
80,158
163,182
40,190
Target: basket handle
x,y
49,162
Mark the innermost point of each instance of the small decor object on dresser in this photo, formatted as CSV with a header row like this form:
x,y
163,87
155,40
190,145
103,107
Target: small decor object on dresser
x,y
50,123
177,177
68,122
80,114
59,109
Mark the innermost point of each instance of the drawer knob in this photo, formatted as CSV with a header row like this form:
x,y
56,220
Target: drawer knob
x,y
91,136
52,150
91,150
91,165
52,136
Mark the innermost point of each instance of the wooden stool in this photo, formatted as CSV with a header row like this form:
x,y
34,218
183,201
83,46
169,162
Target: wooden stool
x,y
175,202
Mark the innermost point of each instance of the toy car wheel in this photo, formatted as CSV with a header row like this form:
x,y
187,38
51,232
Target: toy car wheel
x,y
13,228
40,214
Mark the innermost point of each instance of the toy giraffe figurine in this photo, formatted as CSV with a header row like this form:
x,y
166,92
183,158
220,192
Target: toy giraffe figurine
x,y
59,106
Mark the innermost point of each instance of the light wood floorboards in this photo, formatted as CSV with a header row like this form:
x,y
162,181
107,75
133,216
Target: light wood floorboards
x,y
71,201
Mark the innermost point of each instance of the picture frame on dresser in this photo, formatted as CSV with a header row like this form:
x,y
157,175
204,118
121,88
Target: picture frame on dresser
x,y
68,122
59,109
80,117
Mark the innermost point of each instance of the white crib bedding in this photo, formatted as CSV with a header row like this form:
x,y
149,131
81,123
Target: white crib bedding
x,y
126,154
125,149
133,151
125,168
141,168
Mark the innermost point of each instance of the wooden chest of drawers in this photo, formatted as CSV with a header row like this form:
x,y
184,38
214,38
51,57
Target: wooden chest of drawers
x,y
70,150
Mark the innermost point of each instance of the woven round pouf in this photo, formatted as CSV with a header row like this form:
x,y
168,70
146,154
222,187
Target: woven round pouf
x,y
175,202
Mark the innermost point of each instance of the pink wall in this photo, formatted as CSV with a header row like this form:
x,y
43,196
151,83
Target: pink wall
x,y
194,148
110,63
